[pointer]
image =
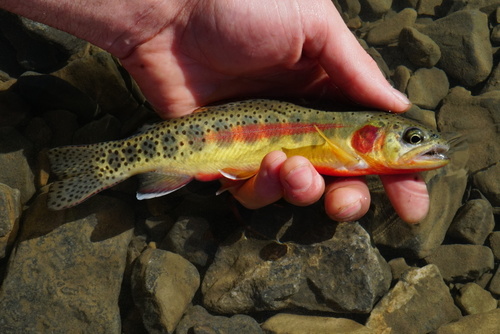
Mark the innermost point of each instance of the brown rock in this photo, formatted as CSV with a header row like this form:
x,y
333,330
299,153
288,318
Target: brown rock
x,y
401,76
163,285
67,268
464,40
494,243
486,180
473,299
388,31
473,223
283,323
10,213
484,323
420,49
427,87
419,303
462,262
494,286
428,7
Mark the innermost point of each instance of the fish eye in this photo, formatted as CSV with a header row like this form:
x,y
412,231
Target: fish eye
x,y
413,136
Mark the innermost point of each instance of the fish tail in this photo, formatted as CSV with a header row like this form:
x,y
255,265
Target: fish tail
x,y
80,172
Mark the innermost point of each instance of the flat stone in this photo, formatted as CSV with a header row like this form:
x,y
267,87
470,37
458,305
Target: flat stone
x,y
10,214
284,323
420,49
494,244
484,323
163,285
15,156
342,274
420,302
427,87
388,31
198,320
464,40
473,299
474,261
476,119
66,270
473,223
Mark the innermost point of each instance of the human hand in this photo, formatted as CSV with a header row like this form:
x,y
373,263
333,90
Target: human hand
x,y
220,50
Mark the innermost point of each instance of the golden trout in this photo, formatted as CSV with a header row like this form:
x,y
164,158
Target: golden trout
x,y
230,141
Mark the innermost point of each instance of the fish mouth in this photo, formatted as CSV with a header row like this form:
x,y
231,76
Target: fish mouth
x,y
428,157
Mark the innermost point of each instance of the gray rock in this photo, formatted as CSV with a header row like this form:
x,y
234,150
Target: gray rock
x,y
484,323
66,270
419,303
462,262
464,40
428,7
473,299
283,323
493,82
398,267
495,35
10,214
486,6
191,238
163,285
494,244
15,155
343,274
475,119
473,223
198,320
388,31
420,49
427,87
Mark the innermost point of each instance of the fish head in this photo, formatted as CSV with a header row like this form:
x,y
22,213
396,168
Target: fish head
x,y
394,144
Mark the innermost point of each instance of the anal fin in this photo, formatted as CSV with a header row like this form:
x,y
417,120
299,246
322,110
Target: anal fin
x,y
237,174
156,184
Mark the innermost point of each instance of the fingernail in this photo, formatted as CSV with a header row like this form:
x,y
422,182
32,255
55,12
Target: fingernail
x,y
299,179
401,96
349,211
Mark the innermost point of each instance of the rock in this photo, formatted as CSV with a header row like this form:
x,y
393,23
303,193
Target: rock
x,y
62,124
419,303
487,182
10,214
428,7
495,35
375,8
98,76
351,8
388,31
493,82
464,40
486,6
475,118
474,261
106,128
283,323
191,238
473,223
398,267
494,244
157,228
16,153
198,320
483,323
342,274
473,299
163,285
400,77
67,267
38,132
427,87
495,283
13,109
446,187
420,49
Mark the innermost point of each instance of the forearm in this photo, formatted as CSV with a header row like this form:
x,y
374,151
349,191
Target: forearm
x,y
114,25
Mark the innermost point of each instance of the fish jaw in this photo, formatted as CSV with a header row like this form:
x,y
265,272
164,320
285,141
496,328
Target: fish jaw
x,y
426,157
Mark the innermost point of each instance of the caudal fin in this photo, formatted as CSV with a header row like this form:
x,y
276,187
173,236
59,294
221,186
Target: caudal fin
x,y
81,173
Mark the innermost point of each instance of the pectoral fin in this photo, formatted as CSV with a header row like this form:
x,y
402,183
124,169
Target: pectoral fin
x,y
344,157
156,184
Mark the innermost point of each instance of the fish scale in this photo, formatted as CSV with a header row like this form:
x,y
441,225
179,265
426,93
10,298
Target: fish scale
x,y
230,141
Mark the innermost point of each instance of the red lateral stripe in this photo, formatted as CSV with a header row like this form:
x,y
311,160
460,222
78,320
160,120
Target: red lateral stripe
x,y
255,132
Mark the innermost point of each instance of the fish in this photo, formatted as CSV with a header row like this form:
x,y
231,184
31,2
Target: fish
x,y
230,141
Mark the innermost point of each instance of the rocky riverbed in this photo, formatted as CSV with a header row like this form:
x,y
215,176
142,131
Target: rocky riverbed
x,y
193,262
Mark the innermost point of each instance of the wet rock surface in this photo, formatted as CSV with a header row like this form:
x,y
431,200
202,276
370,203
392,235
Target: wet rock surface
x,y
192,262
